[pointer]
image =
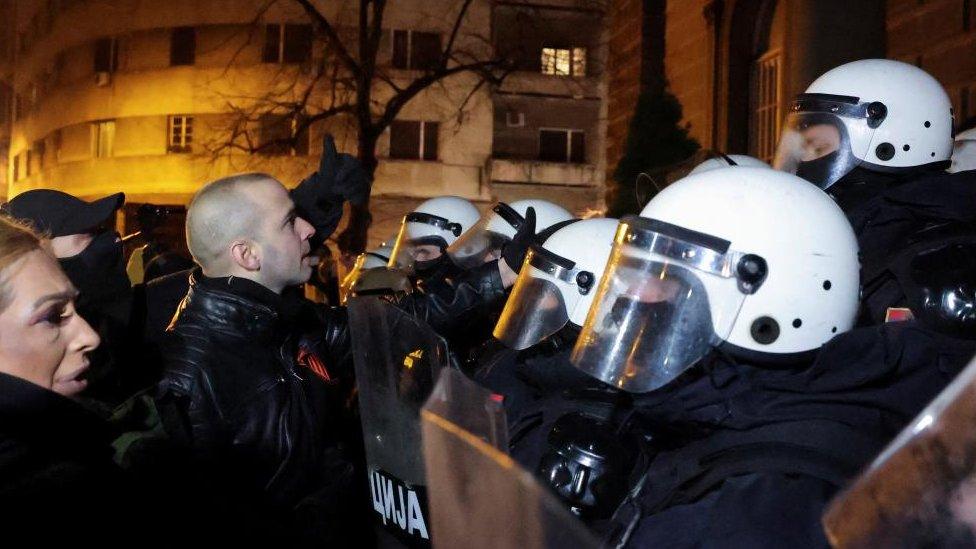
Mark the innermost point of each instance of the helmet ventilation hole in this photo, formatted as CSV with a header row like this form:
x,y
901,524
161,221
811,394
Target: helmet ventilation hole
x,y
797,323
906,148
764,330
827,285
928,124
885,151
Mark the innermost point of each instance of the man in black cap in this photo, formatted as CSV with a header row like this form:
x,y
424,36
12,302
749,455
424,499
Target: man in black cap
x,y
89,250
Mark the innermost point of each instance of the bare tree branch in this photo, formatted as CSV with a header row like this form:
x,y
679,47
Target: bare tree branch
x,y
445,55
335,42
397,103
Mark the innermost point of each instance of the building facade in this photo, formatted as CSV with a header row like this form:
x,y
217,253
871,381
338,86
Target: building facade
x,y
155,99
735,65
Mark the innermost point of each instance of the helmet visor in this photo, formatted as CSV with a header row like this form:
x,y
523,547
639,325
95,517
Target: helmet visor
x,y
824,138
484,241
537,307
665,300
422,237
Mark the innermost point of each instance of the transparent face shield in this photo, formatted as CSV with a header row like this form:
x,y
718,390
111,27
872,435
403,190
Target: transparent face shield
x,y
667,297
421,238
827,136
484,241
537,307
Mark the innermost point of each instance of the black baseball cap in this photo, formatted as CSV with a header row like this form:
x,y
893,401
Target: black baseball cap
x,y
56,213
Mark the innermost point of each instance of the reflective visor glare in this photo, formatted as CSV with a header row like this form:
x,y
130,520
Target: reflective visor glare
x,y
653,318
471,248
535,310
822,147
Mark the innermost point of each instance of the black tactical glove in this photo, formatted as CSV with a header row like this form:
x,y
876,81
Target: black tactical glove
x,y
513,252
319,197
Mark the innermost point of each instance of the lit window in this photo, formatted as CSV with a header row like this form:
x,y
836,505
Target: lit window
x,y
564,61
180,133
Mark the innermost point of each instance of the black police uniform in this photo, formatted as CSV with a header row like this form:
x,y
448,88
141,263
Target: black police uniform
x,y
911,228
754,452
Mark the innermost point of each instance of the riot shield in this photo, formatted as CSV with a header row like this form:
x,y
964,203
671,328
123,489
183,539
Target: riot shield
x,y
479,497
397,359
921,490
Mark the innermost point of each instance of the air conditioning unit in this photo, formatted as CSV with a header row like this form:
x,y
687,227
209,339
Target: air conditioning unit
x,y
514,119
103,78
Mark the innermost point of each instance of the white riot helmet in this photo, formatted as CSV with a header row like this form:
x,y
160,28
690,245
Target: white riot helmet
x,y
726,160
484,241
750,259
557,283
430,228
883,115
964,152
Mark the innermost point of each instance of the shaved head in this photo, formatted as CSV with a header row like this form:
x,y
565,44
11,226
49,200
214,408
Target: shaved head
x,y
247,226
221,212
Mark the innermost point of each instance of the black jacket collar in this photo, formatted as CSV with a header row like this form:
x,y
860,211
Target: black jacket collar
x,y
33,413
233,305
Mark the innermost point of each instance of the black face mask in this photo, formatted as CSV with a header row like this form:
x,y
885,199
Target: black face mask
x,y
99,275
429,266
818,171
658,313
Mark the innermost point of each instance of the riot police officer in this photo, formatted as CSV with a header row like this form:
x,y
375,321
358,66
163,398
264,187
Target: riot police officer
x,y
463,296
427,231
710,315
877,135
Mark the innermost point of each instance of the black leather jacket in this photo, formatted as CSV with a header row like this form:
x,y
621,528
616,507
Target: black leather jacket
x,y
251,394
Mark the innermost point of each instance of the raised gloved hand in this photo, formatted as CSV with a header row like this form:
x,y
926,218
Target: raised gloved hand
x,y
320,196
513,252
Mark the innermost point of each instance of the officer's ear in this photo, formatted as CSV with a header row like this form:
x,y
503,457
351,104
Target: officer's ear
x,y
246,254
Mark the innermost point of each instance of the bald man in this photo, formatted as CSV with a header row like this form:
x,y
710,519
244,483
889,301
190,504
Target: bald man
x,y
256,376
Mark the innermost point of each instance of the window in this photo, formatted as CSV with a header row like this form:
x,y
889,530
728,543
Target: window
x,y
564,61
766,115
16,163
106,55
413,140
416,50
56,143
514,119
40,148
180,134
183,46
562,146
102,138
279,135
27,164
19,107
287,44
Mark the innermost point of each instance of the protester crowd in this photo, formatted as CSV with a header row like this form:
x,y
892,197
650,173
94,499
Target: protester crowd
x,y
711,371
